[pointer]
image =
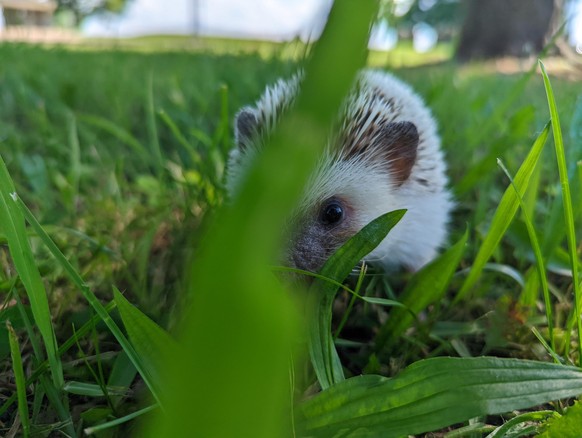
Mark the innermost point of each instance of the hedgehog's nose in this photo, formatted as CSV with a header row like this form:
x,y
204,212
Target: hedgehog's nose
x,y
304,253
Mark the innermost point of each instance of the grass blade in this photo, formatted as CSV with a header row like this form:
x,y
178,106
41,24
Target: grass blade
x,y
254,395
150,341
118,421
92,390
20,380
65,346
541,267
324,358
433,394
568,210
152,129
12,223
75,164
504,214
91,299
121,134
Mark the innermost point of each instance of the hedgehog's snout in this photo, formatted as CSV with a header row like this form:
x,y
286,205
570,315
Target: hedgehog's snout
x,y
318,233
306,253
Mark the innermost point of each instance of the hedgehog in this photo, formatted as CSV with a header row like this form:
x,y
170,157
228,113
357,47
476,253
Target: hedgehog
x,y
382,154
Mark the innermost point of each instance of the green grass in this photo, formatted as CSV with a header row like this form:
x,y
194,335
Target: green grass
x,y
119,154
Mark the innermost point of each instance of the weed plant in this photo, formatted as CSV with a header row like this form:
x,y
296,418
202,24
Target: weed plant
x,y
114,161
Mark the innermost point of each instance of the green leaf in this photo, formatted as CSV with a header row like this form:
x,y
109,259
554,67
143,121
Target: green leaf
x,y
151,342
504,214
566,426
426,287
433,394
324,358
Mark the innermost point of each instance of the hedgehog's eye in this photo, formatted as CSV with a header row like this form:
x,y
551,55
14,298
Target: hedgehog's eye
x,y
332,213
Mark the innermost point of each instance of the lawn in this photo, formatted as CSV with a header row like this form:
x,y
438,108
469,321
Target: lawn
x,y
119,154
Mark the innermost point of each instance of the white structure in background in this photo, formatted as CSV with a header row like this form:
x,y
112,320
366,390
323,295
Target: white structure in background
x,y
29,13
424,37
277,20
383,37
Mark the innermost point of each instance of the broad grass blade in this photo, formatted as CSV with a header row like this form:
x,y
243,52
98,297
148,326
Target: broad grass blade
x,y
324,358
240,329
433,394
504,214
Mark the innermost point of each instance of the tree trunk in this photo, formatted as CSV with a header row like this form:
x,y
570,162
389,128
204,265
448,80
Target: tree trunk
x,y
495,28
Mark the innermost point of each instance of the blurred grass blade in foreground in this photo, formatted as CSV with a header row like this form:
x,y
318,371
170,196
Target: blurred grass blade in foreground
x,y
231,377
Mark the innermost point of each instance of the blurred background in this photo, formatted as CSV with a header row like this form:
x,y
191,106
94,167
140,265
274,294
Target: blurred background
x,y
481,27
116,123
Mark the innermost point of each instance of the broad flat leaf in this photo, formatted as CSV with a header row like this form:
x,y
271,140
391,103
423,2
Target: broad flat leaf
x,y
324,358
432,394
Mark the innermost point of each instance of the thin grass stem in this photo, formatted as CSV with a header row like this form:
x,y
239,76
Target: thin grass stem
x,y
540,264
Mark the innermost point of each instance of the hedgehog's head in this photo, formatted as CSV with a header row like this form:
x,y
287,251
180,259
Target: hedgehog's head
x,y
354,182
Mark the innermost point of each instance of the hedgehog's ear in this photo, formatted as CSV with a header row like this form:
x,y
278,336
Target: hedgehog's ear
x,y
246,126
399,142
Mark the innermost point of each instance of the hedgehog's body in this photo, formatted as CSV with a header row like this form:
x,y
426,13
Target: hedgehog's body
x,y
384,156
